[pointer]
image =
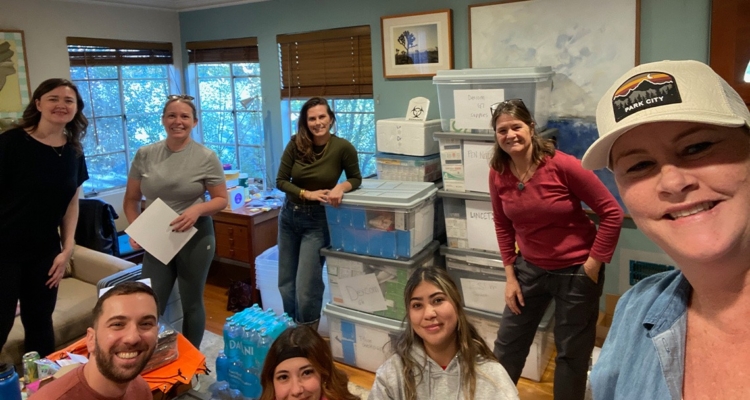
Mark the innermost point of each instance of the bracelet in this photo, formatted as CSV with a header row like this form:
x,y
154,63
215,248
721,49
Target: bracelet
x,y
302,194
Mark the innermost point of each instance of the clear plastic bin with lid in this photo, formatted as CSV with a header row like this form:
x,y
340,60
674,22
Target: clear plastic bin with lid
x,y
386,219
465,95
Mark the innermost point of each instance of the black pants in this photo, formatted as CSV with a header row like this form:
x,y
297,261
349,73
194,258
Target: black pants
x,y
576,309
25,281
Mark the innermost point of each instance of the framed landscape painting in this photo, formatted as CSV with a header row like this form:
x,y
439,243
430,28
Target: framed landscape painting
x,y
417,45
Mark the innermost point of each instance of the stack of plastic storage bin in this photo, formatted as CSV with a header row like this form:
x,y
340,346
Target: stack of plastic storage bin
x,y
379,234
407,150
267,281
472,255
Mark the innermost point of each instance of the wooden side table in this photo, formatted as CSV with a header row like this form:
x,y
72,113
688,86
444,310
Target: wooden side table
x,y
241,236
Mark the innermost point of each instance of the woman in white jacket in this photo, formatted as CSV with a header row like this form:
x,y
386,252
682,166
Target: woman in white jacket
x,y
440,355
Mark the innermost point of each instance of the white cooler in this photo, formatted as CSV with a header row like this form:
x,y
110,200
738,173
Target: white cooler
x,y
359,339
402,136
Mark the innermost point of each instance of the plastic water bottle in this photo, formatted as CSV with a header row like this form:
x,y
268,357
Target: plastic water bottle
x,y
235,374
235,342
264,344
248,346
9,388
251,388
222,367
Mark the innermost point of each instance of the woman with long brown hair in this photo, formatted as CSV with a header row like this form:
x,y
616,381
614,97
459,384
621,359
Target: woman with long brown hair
x,y
536,194
299,364
42,168
309,174
439,354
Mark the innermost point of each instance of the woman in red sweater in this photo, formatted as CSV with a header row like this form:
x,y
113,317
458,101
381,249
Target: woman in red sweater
x,y
536,195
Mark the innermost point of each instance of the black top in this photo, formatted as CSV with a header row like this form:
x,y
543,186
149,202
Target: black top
x,y
37,182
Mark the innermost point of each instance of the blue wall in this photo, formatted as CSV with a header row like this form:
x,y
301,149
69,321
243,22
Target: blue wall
x,y
670,29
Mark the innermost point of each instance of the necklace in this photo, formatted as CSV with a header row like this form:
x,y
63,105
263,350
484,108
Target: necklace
x,y
62,149
522,178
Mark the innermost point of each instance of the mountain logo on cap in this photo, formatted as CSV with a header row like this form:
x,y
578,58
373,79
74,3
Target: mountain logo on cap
x,y
644,91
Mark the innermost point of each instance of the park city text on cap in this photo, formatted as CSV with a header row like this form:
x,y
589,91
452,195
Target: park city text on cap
x,y
663,91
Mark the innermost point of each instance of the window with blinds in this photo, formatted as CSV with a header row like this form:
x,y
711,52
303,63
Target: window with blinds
x,y
221,51
330,63
124,85
91,51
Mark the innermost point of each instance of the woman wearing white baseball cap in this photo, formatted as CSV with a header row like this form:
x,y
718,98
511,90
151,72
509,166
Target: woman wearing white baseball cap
x,y
677,138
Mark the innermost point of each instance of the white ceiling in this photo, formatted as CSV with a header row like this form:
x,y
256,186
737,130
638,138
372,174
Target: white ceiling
x,y
171,5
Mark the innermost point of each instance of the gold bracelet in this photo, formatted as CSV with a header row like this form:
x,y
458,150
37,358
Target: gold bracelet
x,y
302,194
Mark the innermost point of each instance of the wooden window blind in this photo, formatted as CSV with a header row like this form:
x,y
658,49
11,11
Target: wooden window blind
x,y
96,52
329,63
219,51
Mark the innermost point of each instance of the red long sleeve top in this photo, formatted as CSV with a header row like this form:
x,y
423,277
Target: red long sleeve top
x,y
546,218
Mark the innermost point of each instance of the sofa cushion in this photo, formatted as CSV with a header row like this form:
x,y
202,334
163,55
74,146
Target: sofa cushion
x,y
72,315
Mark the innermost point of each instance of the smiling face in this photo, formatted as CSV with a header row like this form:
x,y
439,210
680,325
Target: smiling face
x,y
295,378
433,318
178,120
513,135
58,106
319,123
688,188
125,336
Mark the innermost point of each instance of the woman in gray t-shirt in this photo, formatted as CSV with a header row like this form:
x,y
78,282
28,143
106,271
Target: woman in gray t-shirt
x,y
179,171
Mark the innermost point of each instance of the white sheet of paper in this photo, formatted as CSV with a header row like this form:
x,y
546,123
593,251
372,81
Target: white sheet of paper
x,y
147,281
418,108
151,231
370,347
477,156
362,293
480,226
473,107
484,295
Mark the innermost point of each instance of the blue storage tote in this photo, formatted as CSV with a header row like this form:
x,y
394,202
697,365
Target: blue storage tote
x,y
359,339
386,219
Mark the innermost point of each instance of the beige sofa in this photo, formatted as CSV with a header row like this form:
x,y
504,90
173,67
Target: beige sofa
x,y
75,300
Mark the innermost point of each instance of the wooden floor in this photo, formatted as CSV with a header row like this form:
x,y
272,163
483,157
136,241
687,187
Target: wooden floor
x,y
215,299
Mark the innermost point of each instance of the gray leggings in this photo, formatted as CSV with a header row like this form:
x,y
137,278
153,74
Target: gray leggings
x,y
190,267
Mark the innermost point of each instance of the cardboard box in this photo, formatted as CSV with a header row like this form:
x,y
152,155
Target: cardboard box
x,y
604,321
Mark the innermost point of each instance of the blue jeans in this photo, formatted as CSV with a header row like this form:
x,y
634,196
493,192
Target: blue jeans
x,y
303,231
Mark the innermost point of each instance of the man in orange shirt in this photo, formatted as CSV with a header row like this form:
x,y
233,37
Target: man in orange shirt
x,y
120,343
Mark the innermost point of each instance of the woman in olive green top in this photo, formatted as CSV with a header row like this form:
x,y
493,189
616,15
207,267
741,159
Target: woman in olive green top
x,y
310,169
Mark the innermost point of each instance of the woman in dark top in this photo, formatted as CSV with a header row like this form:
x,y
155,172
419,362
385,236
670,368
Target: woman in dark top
x,y
310,169
42,169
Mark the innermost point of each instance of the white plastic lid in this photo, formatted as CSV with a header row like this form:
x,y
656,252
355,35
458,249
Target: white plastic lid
x,y
384,193
493,74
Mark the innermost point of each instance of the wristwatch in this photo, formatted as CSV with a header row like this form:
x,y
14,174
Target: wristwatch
x,y
302,194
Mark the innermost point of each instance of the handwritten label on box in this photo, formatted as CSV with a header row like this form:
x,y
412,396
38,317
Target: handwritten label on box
x,y
480,225
473,107
484,295
477,156
362,293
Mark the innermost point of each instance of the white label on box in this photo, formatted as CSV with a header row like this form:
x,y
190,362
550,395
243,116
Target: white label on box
x,y
477,156
484,295
334,327
418,108
473,107
480,225
450,150
455,228
362,293
370,347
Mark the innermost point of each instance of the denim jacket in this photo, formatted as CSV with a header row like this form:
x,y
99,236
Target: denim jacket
x,y
644,354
